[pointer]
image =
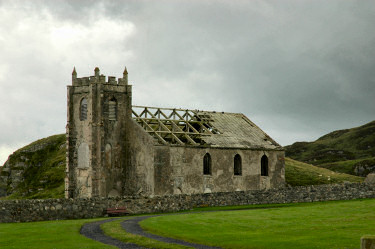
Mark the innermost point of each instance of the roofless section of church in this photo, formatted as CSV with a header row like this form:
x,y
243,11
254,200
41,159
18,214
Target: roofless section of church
x,y
117,149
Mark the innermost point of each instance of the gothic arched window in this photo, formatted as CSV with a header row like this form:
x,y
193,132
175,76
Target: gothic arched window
x,y
207,164
237,165
264,166
83,109
112,109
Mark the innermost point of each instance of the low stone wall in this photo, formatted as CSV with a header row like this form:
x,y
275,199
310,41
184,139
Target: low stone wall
x,y
368,242
58,209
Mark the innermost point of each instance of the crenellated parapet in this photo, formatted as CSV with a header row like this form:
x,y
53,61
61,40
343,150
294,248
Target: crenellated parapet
x,y
99,79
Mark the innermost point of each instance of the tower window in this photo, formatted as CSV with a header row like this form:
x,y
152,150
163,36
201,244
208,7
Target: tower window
x,y
207,164
237,165
264,166
112,109
83,109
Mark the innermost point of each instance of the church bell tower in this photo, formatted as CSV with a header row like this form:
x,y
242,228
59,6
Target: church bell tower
x,y
97,110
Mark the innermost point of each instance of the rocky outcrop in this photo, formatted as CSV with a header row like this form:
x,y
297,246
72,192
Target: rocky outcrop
x,y
3,185
365,167
34,169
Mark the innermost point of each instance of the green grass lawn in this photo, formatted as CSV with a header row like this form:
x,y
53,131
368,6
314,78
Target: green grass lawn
x,y
338,224
115,230
335,224
46,234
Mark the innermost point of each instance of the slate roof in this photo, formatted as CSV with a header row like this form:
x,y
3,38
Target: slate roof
x,y
202,128
235,130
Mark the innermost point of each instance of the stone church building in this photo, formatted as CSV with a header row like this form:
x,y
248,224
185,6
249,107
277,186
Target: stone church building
x,y
116,149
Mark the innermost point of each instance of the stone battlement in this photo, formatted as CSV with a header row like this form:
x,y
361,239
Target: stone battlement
x,y
99,79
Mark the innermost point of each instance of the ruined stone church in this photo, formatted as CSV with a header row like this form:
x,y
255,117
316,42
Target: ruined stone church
x,y
117,149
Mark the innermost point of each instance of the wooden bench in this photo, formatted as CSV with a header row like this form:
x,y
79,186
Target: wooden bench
x,y
117,211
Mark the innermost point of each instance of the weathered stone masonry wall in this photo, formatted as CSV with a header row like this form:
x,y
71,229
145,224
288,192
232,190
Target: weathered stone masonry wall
x,y
53,209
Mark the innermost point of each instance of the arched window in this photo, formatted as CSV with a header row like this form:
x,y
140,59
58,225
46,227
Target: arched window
x,y
264,166
112,109
207,164
83,110
237,165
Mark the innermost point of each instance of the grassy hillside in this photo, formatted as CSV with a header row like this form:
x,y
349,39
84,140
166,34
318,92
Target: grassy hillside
x,y
341,145
36,170
301,174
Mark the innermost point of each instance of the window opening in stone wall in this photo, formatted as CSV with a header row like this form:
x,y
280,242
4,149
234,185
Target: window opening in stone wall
x,y
112,109
83,109
207,164
264,166
237,165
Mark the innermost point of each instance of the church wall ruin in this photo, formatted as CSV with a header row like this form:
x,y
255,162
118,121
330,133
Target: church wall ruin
x,y
179,170
139,168
113,150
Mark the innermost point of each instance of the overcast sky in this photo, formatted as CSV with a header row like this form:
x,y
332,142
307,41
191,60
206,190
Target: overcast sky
x,y
298,69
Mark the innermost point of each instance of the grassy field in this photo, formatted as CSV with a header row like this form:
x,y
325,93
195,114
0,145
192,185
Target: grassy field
x,y
47,235
115,230
301,174
315,225
337,224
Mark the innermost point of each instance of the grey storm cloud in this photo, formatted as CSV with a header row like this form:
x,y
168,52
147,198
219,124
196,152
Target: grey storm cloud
x,y
298,69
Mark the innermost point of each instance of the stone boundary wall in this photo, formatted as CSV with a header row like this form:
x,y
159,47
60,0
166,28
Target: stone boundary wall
x,y
59,209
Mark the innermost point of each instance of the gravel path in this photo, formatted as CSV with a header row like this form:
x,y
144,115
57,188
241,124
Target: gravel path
x,y
93,231
132,226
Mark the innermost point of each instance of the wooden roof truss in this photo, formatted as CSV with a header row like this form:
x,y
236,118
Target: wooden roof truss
x,y
174,126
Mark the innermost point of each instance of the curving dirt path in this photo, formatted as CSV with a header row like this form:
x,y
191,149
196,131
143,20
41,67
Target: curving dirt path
x,y
132,226
93,231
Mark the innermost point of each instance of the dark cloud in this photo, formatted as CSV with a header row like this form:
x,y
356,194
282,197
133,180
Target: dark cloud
x,y
298,69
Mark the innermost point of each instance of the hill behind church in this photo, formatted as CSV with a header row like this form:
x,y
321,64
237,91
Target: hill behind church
x,y
349,151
